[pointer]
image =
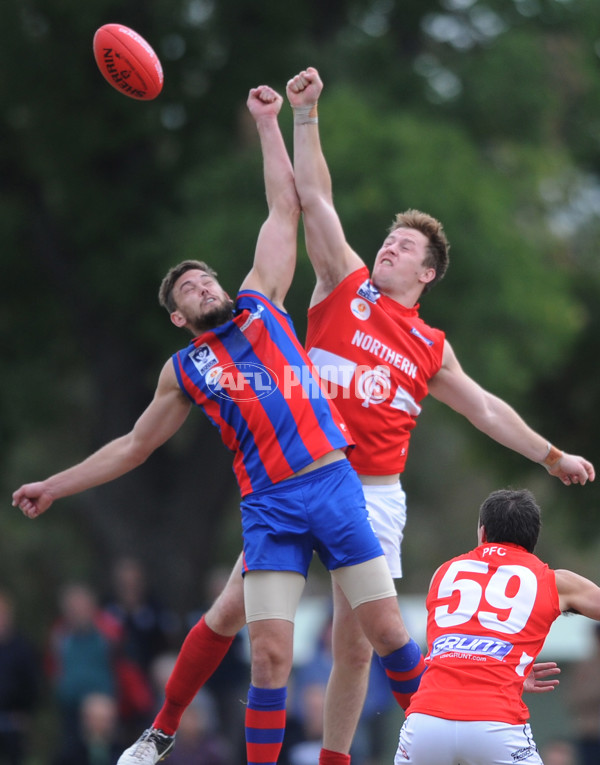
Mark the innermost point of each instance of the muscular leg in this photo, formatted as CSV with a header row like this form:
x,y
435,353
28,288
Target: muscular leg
x,y
370,589
271,600
349,678
382,624
202,651
226,616
399,655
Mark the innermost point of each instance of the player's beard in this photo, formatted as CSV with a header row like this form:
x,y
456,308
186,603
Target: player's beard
x,y
218,315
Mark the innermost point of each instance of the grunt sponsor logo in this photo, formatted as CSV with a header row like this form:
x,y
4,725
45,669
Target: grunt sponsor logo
x,y
471,646
120,74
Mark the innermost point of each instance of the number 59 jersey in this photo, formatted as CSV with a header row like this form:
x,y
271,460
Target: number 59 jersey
x,y
488,614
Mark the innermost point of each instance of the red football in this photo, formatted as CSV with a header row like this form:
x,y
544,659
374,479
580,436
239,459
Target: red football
x,y
127,62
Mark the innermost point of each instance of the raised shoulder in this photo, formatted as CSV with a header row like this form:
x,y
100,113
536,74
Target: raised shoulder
x,y
167,378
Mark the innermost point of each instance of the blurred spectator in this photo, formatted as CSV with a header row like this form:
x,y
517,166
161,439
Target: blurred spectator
x,y
81,655
199,739
304,730
98,742
372,733
583,700
159,673
147,627
145,630
19,684
229,684
559,752
199,736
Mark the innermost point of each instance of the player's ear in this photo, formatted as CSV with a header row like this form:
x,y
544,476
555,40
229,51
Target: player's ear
x,y
481,535
428,275
177,319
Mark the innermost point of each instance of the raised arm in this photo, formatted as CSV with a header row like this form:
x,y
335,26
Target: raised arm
x,y
160,420
331,256
494,417
578,594
276,247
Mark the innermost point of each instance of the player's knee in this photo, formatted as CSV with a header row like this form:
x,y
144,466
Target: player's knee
x,y
390,639
387,634
271,662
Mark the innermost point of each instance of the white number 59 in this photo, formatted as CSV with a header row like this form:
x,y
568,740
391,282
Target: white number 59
x,y
510,612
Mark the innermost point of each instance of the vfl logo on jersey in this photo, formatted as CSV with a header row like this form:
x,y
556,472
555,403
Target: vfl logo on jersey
x,y
368,291
360,309
203,358
416,333
471,644
374,386
252,317
245,381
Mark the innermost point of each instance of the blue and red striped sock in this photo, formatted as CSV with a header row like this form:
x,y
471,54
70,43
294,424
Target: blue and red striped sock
x,y
265,724
404,668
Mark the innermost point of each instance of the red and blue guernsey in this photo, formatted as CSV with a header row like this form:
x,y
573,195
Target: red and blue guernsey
x,y
256,384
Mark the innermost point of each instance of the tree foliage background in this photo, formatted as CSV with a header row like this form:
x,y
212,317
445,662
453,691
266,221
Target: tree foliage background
x,y
484,113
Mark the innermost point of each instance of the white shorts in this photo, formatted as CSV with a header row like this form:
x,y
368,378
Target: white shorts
x,y
386,505
427,740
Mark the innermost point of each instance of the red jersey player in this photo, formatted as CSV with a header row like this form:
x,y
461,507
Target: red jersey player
x,y
488,614
368,342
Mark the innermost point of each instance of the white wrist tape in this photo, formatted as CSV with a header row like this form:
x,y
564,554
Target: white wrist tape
x,y
302,115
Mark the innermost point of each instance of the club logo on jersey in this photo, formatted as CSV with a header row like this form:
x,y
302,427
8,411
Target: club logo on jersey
x,y
203,358
416,333
471,646
245,381
368,291
373,385
360,308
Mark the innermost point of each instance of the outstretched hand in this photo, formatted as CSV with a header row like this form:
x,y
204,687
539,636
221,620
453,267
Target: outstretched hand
x,y
32,499
305,88
535,681
572,469
263,101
